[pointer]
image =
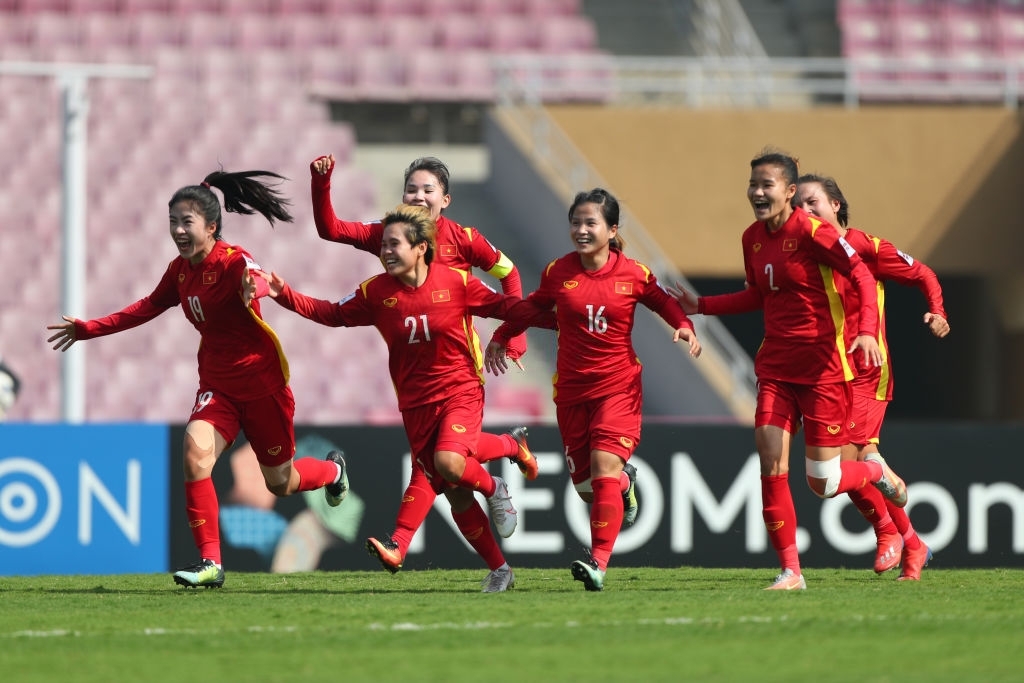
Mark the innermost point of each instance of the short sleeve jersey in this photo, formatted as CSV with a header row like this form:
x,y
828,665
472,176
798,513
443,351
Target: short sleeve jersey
x,y
433,350
239,354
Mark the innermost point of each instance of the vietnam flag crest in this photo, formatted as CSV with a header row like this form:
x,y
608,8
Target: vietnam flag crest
x,y
447,249
210,277
623,287
440,295
789,245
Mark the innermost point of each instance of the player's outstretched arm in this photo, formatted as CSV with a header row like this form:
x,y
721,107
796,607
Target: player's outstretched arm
x,y
64,336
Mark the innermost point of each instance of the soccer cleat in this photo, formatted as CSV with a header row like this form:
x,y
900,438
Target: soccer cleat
x,y
788,581
503,514
891,486
629,505
386,551
336,492
524,459
589,574
914,561
499,581
888,554
203,573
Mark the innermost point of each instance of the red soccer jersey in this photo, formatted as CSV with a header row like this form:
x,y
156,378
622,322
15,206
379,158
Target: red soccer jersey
x,y
239,354
886,262
433,349
789,275
457,246
595,312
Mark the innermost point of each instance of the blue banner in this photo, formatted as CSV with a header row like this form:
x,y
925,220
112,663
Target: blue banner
x,y
83,499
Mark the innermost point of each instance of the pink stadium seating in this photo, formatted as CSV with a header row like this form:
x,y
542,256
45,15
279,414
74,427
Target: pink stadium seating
x,y
147,6
308,31
513,34
299,8
92,6
567,34
463,32
36,6
392,8
406,34
259,32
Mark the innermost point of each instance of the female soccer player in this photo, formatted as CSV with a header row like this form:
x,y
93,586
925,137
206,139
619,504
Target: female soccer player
x,y
594,291
243,373
426,184
803,372
898,543
423,310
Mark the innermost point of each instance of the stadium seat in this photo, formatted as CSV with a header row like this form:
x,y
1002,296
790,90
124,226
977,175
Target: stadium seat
x,y
244,7
51,29
463,32
258,32
108,31
37,6
567,34
406,34
300,8
509,34
358,33
203,30
306,31
94,6
146,6
390,9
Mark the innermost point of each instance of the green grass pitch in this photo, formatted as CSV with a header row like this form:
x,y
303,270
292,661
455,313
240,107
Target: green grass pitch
x,y
686,624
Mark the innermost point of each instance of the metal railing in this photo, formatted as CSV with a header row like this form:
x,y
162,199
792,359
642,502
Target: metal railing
x,y
756,81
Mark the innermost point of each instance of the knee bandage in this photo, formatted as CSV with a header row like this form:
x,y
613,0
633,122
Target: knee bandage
x,y
823,476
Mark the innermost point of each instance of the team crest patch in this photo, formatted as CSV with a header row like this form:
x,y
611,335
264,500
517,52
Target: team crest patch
x,y
789,245
623,287
626,441
390,302
834,429
598,525
440,296
459,429
274,451
447,249
210,277
774,526
181,277
570,284
757,247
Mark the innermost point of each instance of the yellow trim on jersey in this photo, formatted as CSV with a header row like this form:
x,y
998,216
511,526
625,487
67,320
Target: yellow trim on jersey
x,y
883,383
277,344
502,268
835,307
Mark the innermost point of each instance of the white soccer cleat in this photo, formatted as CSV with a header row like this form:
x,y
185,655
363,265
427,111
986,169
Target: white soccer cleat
x,y
503,514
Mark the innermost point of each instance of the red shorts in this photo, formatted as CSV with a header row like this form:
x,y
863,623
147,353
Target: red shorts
x,y
866,414
610,423
268,422
450,425
824,409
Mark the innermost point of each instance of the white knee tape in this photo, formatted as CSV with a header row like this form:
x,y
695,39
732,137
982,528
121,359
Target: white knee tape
x,y
830,470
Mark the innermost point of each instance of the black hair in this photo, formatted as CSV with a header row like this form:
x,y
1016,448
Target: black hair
x,y
609,206
242,194
831,188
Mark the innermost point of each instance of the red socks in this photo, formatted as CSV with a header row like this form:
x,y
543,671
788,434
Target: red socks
x,y
476,478
416,503
871,504
605,519
476,529
495,446
203,517
780,519
314,473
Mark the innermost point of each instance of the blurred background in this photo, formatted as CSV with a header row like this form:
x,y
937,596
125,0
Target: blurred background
x,y
913,105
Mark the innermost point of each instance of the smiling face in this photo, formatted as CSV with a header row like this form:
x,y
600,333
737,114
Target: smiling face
x,y
591,234
193,236
812,198
769,195
424,189
400,258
